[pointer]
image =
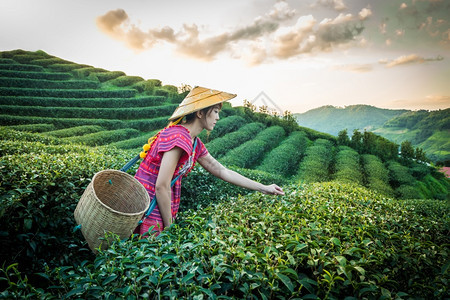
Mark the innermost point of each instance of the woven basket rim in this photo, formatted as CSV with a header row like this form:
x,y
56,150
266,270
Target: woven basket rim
x,y
113,210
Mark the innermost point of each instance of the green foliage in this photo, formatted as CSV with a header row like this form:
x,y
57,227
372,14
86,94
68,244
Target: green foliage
x,y
40,187
7,61
273,247
249,153
201,189
123,81
134,143
83,102
223,126
45,62
106,76
406,150
289,124
376,175
315,166
48,84
284,159
220,146
103,137
66,67
35,75
33,127
88,113
347,166
399,174
74,131
147,86
142,124
68,93
20,67
370,143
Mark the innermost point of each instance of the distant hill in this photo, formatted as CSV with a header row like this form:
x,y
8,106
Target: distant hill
x,y
429,130
331,119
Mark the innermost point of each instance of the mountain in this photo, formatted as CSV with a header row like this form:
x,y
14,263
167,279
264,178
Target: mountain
x,y
331,119
429,130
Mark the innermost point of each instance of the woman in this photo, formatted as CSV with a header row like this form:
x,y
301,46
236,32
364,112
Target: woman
x,y
174,151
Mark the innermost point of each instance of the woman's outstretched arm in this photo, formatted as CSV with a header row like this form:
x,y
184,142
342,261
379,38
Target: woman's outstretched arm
x,y
217,169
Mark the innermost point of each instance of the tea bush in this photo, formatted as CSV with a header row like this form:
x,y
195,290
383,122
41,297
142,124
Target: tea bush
x,y
123,81
376,175
4,61
89,113
320,241
200,188
347,166
249,153
135,143
66,67
67,93
74,131
20,67
86,102
106,76
315,166
61,122
40,186
47,84
45,62
284,159
220,146
103,137
223,126
35,75
33,127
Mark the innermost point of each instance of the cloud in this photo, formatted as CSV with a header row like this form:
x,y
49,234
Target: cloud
x,y
430,102
308,35
267,36
337,5
364,14
356,68
408,60
425,19
111,23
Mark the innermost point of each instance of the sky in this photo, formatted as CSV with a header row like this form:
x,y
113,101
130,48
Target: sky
x,y
292,55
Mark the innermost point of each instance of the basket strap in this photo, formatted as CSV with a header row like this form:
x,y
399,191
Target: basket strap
x,y
130,163
153,202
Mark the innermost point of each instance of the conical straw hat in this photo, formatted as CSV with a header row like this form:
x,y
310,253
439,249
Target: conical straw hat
x,y
199,98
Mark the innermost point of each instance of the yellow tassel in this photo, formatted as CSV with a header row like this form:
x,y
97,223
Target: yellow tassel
x,y
147,146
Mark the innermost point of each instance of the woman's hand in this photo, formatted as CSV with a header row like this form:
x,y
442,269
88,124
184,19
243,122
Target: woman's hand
x,y
272,189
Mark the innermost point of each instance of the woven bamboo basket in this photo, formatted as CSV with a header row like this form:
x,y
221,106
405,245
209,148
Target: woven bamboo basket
x,y
114,202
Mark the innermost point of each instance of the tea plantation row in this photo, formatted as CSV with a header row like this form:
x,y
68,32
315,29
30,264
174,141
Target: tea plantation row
x,y
323,240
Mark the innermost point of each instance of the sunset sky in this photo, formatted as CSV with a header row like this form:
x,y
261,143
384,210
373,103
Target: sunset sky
x,y
301,54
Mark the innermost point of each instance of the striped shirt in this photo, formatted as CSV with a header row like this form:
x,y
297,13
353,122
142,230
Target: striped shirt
x,y
147,173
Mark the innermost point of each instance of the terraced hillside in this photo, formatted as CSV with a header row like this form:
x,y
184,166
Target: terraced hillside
x,y
62,122
79,104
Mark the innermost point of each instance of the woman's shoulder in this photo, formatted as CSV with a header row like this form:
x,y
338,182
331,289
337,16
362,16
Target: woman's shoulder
x,y
175,131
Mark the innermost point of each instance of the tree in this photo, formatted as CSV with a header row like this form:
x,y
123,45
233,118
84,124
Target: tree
x,y
407,150
356,141
420,155
249,105
343,139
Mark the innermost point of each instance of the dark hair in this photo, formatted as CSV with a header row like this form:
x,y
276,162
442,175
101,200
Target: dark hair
x,y
190,117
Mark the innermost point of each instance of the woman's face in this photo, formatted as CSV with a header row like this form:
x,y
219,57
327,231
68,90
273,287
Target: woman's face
x,y
211,117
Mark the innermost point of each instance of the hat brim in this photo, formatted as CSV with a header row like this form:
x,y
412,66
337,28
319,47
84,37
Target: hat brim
x,y
199,98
